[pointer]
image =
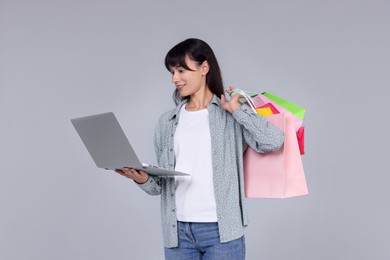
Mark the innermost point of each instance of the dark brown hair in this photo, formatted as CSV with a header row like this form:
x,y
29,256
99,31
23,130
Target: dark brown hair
x,y
198,51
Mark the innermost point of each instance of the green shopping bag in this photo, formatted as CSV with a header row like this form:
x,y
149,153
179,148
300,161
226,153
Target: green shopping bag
x,y
296,110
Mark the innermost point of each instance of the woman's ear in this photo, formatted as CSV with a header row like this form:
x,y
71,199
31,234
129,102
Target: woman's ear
x,y
205,68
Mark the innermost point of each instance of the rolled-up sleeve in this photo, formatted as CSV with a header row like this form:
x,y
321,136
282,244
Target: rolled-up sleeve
x,y
151,186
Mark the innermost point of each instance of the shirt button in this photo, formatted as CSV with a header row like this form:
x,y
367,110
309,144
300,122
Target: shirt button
x,y
171,149
173,226
171,135
173,210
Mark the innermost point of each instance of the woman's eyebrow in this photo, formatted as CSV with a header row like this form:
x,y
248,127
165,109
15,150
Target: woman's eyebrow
x,y
177,67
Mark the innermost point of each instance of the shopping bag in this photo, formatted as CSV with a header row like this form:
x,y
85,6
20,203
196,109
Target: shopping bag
x,y
277,174
301,139
293,108
270,106
264,111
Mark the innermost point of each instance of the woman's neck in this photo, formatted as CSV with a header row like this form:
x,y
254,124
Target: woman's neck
x,y
199,100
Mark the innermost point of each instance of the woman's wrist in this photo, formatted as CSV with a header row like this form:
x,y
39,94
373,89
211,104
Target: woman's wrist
x,y
235,106
141,180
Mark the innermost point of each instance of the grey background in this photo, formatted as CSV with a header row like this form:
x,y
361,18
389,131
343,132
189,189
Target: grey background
x,y
63,59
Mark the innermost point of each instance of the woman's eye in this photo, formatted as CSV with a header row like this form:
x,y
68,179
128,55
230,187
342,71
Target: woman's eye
x,y
177,70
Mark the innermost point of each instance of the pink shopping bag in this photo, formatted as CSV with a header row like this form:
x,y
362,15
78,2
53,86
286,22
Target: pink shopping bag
x,y
276,174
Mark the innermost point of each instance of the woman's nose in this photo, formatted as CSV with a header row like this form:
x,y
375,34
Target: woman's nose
x,y
175,77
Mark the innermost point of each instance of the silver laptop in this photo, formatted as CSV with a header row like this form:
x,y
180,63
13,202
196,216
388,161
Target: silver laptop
x,y
109,147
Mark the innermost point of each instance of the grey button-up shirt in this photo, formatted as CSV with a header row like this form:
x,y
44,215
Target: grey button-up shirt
x,y
230,135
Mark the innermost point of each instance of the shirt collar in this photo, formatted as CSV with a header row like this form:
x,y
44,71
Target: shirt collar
x,y
216,101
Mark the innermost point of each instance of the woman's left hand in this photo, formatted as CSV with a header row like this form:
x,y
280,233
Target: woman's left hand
x,y
233,104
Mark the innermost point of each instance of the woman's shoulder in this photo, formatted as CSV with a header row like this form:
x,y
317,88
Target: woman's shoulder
x,y
171,113
167,115
166,118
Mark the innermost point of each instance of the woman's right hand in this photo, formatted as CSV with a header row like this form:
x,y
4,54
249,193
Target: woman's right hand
x,y
139,177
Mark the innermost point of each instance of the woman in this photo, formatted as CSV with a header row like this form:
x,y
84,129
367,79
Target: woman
x,y
204,214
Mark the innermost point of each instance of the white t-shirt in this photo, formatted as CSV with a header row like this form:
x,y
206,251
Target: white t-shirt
x,y
195,200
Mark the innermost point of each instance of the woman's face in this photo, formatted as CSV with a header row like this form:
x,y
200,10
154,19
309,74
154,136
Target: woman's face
x,y
189,82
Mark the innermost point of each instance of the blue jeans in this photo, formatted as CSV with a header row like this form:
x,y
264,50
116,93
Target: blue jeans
x,y
201,241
